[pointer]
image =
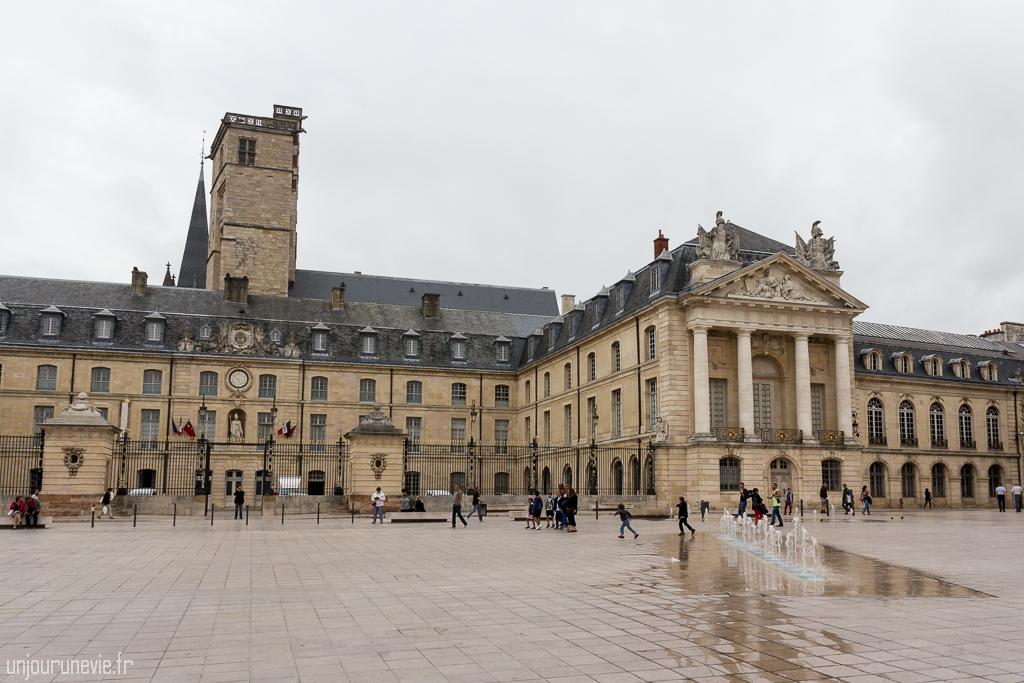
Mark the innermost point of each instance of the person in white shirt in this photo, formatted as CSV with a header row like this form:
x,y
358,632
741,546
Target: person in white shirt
x,y
377,500
1018,493
1001,497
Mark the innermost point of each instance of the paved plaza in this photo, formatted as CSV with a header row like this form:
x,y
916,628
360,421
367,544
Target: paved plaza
x,y
934,596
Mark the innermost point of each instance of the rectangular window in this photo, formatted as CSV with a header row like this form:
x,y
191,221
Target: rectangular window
x,y
414,392
46,378
207,383
547,384
208,424
414,428
817,406
528,397
617,413
100,381
718,403
458,350
458,429
617,357
318,389
103,412
320,342
652,403
154,331
501,431
318,428
503,353
268,386
591,412
246,152
501,399
264,426
547,426
368,345
458,394
568,377
367,391
104,328
526,429
568,423
655,279
41,414
591,367
762,405
412,347
150,429
652,344
50,325
152,381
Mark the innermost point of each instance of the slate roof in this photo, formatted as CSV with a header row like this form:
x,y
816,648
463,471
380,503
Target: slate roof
x,y
927,337
380,289
193,261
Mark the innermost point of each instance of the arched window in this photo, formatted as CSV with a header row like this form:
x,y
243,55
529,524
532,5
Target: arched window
x,y
414,392
152,381
989,371
876,423
904,364
908,434
634,476
995,478
729,474
204,333
617,477
938,480
318,389
591,367
268,386
527,480
967,481
567,476
876,480
937,425
936,369
458,394
874,361
100,381
568,376
546,480
46,378
275,336
832,474
992,428
652,343
616,357
908,478
547,384
207,383
367,390
966,419
529,397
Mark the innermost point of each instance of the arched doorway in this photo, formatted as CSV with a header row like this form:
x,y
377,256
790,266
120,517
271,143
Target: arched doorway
x,y
546,478
779,471
634,470
617,477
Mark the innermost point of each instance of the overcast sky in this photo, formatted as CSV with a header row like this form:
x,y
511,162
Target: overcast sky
x,y
535,143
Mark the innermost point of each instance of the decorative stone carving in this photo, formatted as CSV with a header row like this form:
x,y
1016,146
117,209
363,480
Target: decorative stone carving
x,y
73,458
660,431
817,253
236,425
764,342
187,341
376,419
291,347
768,286
81,408
241,338
378,463
719,244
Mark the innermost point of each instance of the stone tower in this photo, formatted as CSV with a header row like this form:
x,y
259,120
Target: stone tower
x,y
253,199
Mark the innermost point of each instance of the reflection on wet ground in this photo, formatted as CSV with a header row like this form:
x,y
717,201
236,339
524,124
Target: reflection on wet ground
x,y
709,566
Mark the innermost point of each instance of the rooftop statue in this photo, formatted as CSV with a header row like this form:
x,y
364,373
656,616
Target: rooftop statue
x,y
817,253
720,244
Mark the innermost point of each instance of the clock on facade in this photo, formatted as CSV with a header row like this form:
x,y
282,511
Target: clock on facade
x,y
238,379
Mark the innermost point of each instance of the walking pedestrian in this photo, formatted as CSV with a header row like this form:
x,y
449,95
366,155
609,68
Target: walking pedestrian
x,y
531,523
32,506
538,509
239,502
848,500
758,503
823,494
776,505
744,495
377,501
107,502
549,512
17,510
457,507
684,513
1018,493
865,497
624,515
789,502
476,505
572,502
927,499
1001,497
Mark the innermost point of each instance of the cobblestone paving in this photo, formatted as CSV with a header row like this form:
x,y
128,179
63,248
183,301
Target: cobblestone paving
x,y
493,602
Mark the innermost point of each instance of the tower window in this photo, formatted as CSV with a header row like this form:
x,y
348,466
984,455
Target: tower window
x,y
246,152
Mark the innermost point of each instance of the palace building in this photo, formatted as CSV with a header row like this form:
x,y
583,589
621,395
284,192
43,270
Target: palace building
x,y
731,357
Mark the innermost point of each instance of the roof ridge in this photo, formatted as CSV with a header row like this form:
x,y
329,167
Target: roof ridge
x,y
413,279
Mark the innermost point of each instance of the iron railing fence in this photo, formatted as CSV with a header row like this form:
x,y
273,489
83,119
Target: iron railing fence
x,y
507,469
21,463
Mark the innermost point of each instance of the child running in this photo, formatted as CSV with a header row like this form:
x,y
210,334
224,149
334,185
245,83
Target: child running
x,y
624,515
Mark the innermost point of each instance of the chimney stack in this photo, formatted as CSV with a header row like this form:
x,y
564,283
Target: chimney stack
x,y
660,244
431,305
568,303
138,281
338,297
236,289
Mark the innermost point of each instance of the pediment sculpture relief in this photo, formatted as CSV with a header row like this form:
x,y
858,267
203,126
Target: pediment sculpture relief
x,y
818,253
770,286
765,342
241,338
720,244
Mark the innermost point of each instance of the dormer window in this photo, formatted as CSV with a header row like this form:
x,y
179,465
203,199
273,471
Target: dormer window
x,y
319,341
103,328
411,344
502,350
275,336
204,332
49,325
989,371
655,280
872,359
368,341
458,343
903,362
5,313
961,368
932,365
154,332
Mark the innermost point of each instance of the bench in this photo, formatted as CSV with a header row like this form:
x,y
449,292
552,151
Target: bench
x,y
402,517
8,523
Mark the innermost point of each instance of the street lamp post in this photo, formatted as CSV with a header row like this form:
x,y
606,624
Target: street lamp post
x,y
204,453
592,466
472,450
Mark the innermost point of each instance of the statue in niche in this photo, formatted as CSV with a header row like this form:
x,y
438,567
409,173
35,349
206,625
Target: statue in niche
x,y
236,429
660,431
819,252
720,244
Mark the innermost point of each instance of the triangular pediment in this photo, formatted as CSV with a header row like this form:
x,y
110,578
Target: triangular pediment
x,y
780,279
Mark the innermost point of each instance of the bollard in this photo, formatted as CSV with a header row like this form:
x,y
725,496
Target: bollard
x,y
353,511
174,520
318,513
801,507
212,507
92,524
247,514
282,515
597,511
135,516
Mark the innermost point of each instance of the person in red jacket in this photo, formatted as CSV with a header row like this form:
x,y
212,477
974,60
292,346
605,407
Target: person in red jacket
x,y
17,510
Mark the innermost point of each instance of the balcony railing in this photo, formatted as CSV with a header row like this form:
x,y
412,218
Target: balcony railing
x,y
734,434
968,444
782,436
877,440
830,437
908,440
995,445
940,443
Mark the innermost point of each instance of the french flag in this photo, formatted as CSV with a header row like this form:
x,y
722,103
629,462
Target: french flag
x,y
286,430
176,428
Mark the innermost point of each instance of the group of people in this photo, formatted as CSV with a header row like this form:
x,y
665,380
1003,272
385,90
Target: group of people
x,y
850,506
26,509
558,510
756,503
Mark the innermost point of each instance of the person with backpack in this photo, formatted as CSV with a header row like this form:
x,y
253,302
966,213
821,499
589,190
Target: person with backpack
x,y
865,497
684,513
107,502
549,512
624,515
17,510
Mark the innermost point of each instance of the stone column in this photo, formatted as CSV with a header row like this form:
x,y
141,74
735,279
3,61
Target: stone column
x,y
803,388
844,399
701,384
375,459
745,385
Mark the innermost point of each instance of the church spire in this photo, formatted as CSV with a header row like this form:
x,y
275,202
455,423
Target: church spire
x,y
193,261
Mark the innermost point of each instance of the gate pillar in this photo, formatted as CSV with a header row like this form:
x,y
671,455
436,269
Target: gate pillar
x,y
375,458
78,454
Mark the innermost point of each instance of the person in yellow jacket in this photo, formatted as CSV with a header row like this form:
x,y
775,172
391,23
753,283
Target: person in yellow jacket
x,y
776,504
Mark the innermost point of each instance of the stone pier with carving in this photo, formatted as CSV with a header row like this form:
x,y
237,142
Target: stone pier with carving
x,y
376,451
